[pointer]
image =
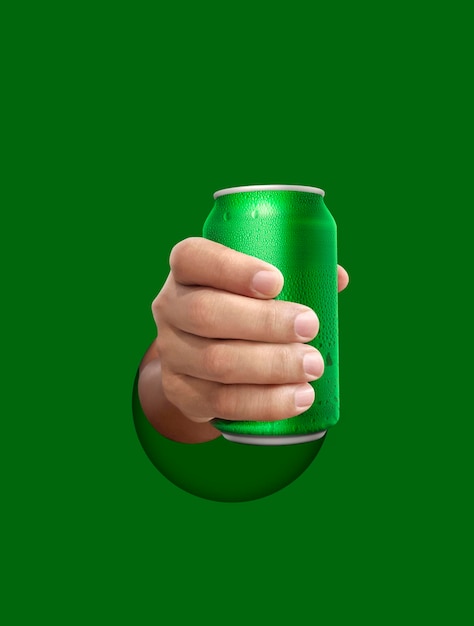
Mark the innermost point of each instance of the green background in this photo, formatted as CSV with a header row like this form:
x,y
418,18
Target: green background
x,y
120,123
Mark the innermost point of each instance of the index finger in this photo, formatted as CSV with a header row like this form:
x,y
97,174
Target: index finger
x,y
200,261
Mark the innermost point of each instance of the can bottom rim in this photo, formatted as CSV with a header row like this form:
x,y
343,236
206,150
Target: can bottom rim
x,y
279,440
224,192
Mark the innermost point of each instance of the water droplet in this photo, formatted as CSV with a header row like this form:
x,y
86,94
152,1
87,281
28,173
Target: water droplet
x,y
254,214
226,216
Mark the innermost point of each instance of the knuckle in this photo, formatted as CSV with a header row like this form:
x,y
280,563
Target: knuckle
x,y
267,406
271,318
176,253
275,319
171,385
157,307
269,413
180,254
227,261
162,301
201,310
282,363
224,401
162,344
217,362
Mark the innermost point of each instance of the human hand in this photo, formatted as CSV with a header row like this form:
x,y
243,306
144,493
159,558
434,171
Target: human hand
x,y
227,348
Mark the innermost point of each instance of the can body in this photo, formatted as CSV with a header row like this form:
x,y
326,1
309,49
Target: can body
x,y
290,227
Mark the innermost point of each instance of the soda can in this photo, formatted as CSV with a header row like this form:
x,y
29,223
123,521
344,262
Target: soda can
x,y
290,227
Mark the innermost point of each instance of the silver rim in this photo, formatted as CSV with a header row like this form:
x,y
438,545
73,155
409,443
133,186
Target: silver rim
x,y
284,440
224,192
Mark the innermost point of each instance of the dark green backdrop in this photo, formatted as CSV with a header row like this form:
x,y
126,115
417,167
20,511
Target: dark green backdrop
x,y
118,116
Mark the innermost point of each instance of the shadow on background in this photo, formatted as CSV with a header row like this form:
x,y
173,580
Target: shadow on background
x,y
220,470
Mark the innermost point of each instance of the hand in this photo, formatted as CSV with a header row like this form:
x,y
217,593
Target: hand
x,y
227,348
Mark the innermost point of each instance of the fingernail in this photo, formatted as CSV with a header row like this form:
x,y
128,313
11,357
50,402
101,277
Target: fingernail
x,y
266,282
313,365
307,325
304,396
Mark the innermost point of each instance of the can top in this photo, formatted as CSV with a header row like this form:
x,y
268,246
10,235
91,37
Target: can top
x,y
224,192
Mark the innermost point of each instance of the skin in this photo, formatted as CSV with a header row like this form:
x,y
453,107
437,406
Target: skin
x,y
225,347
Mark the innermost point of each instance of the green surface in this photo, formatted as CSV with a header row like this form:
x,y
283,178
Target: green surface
x,y
110,114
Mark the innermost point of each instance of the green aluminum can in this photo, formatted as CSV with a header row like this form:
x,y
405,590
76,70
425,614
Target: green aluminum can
x,y
290,227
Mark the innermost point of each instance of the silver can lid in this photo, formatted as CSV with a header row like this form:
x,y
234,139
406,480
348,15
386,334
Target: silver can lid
x,y
224,192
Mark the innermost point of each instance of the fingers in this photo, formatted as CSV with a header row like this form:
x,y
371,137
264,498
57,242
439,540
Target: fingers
x,y
228,349
202,400
199,261
342,278
217,314
238,362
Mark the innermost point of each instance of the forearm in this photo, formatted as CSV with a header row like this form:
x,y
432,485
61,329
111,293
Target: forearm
x,y
166,418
